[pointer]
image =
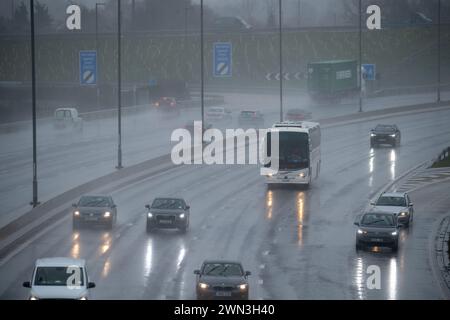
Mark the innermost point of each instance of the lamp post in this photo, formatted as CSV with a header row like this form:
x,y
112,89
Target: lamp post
x,y
360,57
202,76
35,201
96,48
280,29
439,53
119,88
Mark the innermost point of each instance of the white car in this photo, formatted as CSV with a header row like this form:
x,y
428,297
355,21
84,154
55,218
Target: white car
x,y
398,203
218,113
59,278
67,118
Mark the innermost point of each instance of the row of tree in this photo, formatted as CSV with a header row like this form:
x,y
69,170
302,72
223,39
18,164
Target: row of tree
x,y
153,15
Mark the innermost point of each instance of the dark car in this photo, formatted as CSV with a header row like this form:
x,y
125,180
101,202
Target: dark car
x,y
250,118
222,280
298,115
385,134
377,229
167,104
94,209
168,213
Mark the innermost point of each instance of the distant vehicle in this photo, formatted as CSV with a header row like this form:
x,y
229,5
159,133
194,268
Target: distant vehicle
x,y
67,118
59,278
298,115
397,203
420,18
168,213
377,229
230,24
218,114
94,209
222,280
166,103
251,118
385,134
299,153
333,79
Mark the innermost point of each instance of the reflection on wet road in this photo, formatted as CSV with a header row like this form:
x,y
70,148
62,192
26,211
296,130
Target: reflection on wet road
x,y
299,244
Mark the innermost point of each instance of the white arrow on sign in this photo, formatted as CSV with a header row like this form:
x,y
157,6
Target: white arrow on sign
x,y
269,76
286,76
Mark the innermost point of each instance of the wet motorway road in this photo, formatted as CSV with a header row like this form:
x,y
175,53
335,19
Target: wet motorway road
x,y
299,244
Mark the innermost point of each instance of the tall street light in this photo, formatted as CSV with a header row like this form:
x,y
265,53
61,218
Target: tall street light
x,y
202,76
119,88
439,53
360,57
35,201
280,28
96,47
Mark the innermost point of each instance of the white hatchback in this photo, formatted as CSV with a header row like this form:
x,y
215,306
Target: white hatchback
x,y
59,278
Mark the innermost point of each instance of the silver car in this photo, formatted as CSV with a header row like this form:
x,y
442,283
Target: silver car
x,y
94,209
377,229
397,203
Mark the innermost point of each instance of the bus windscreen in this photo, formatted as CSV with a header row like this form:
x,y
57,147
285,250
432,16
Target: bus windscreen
x,y
293,150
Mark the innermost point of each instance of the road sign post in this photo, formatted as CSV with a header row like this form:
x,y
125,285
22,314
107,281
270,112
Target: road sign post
x,y
223,60
88,67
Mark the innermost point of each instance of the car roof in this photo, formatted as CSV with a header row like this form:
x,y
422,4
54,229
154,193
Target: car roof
x,y
65,108
169,198
378,211
60,262
96,195
222,261
393,194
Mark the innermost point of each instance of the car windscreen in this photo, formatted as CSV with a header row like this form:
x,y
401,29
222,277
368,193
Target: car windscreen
x,y
248,114
61,114
293,150
384,128
391,201
222,269
59,276
216,110
91,201
378,220
168,204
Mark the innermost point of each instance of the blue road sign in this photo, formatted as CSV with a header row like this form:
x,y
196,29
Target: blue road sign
x,y
223,59
88,67
369,71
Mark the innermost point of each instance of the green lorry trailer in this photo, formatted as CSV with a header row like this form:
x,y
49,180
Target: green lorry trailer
x,y
332,79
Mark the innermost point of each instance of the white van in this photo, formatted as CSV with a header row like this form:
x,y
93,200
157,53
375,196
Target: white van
x,y
59,278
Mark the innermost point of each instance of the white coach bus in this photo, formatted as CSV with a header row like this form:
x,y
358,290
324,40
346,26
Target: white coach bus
x,y
299,153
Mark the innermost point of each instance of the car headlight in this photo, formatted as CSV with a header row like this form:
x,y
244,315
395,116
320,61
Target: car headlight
x,y
301,175
76,213
203,285
361,231
394,233
150,215
392,135
242,286
34,298
269,175
182,216
107,214
372,134
83,298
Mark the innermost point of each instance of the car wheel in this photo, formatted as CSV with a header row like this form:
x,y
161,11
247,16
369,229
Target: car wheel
x,y
394,247
358,246
110,224
372,145
184,228
75,225
149,229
